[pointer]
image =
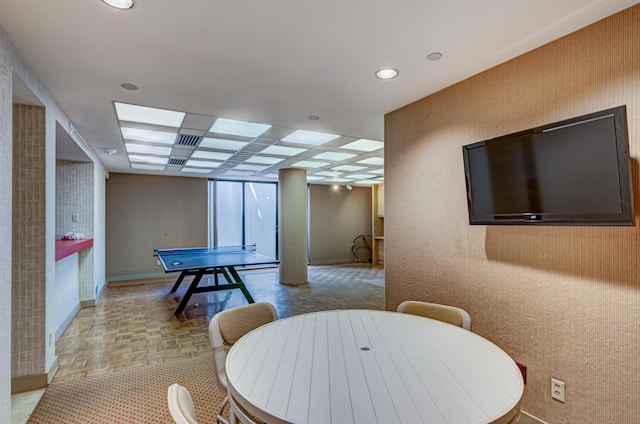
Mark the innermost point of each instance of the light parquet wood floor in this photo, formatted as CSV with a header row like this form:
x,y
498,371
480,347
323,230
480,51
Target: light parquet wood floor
x,y
133,324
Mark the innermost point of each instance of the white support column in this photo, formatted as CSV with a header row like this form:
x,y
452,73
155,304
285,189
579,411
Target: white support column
x,y
292,224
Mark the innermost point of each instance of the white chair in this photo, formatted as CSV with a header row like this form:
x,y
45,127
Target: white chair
x,y
445,313
226,328
181,405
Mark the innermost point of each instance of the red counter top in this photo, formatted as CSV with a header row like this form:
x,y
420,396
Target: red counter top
x,y
66,248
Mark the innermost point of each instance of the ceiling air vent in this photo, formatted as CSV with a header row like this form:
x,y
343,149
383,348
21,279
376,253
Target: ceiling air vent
x,y
178,162
188,140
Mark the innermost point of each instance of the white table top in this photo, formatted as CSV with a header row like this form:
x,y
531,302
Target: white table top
x,y
363,366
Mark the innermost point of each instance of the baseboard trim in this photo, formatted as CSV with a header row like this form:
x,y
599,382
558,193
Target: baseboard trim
x,y
138,276
332,262
53,370
27,383
67,320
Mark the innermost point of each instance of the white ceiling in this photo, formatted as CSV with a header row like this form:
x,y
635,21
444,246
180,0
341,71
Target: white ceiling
x,y
274,62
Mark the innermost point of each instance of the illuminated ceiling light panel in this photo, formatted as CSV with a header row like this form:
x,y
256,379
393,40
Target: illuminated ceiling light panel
x,y
254,168
372,161
339,180
364,145
309,164
376,171
309,137
328,173
149,159
148,135
222,143
349,168
202,164
145,148
361,176
334,156
148,167
239,173
271,176
196,170
149,115
283,150
241,128
201,154
368,182
314,178
267,160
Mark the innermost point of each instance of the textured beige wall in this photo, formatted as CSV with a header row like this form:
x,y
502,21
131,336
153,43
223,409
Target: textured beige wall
x,y
75,195
14,70
28,242
336,218
146,212
564,301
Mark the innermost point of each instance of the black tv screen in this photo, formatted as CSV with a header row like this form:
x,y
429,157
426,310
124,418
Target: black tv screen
x,y
573,172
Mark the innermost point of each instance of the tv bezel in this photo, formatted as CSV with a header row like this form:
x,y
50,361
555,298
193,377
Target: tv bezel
x,y
625,218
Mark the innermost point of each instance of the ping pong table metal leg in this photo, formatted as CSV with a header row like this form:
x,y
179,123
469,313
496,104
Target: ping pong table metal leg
x,y
190,291
239,281
179,281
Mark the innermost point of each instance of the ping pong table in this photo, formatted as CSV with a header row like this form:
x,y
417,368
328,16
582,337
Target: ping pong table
x,y
201,261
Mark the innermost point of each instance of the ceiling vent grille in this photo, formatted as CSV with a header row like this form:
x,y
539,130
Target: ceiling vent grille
x,y
178,162
188,140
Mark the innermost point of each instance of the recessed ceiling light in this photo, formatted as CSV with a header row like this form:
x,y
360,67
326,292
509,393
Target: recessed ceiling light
x,y
246,167
110,152
364,145
148,135
361,176
372,161
267,160
149,115
313,117
150,150
309,137
309,164
283,150
120,4
201,154
434,56
239,173
202,164
149,159
241,128
328,173
222,143
147,167
386,73
129,86
196,170
349,168
334,156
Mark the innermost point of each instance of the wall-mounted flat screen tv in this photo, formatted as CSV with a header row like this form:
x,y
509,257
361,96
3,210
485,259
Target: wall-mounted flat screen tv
x,y
574,172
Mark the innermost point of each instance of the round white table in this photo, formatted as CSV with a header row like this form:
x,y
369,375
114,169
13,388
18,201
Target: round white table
x,y
365,366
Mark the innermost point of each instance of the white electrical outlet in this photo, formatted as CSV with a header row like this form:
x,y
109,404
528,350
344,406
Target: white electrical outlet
x,y
158,262
557,390
74,217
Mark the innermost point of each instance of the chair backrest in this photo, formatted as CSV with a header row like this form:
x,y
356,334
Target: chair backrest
x,y
445,313
181,405
226,328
